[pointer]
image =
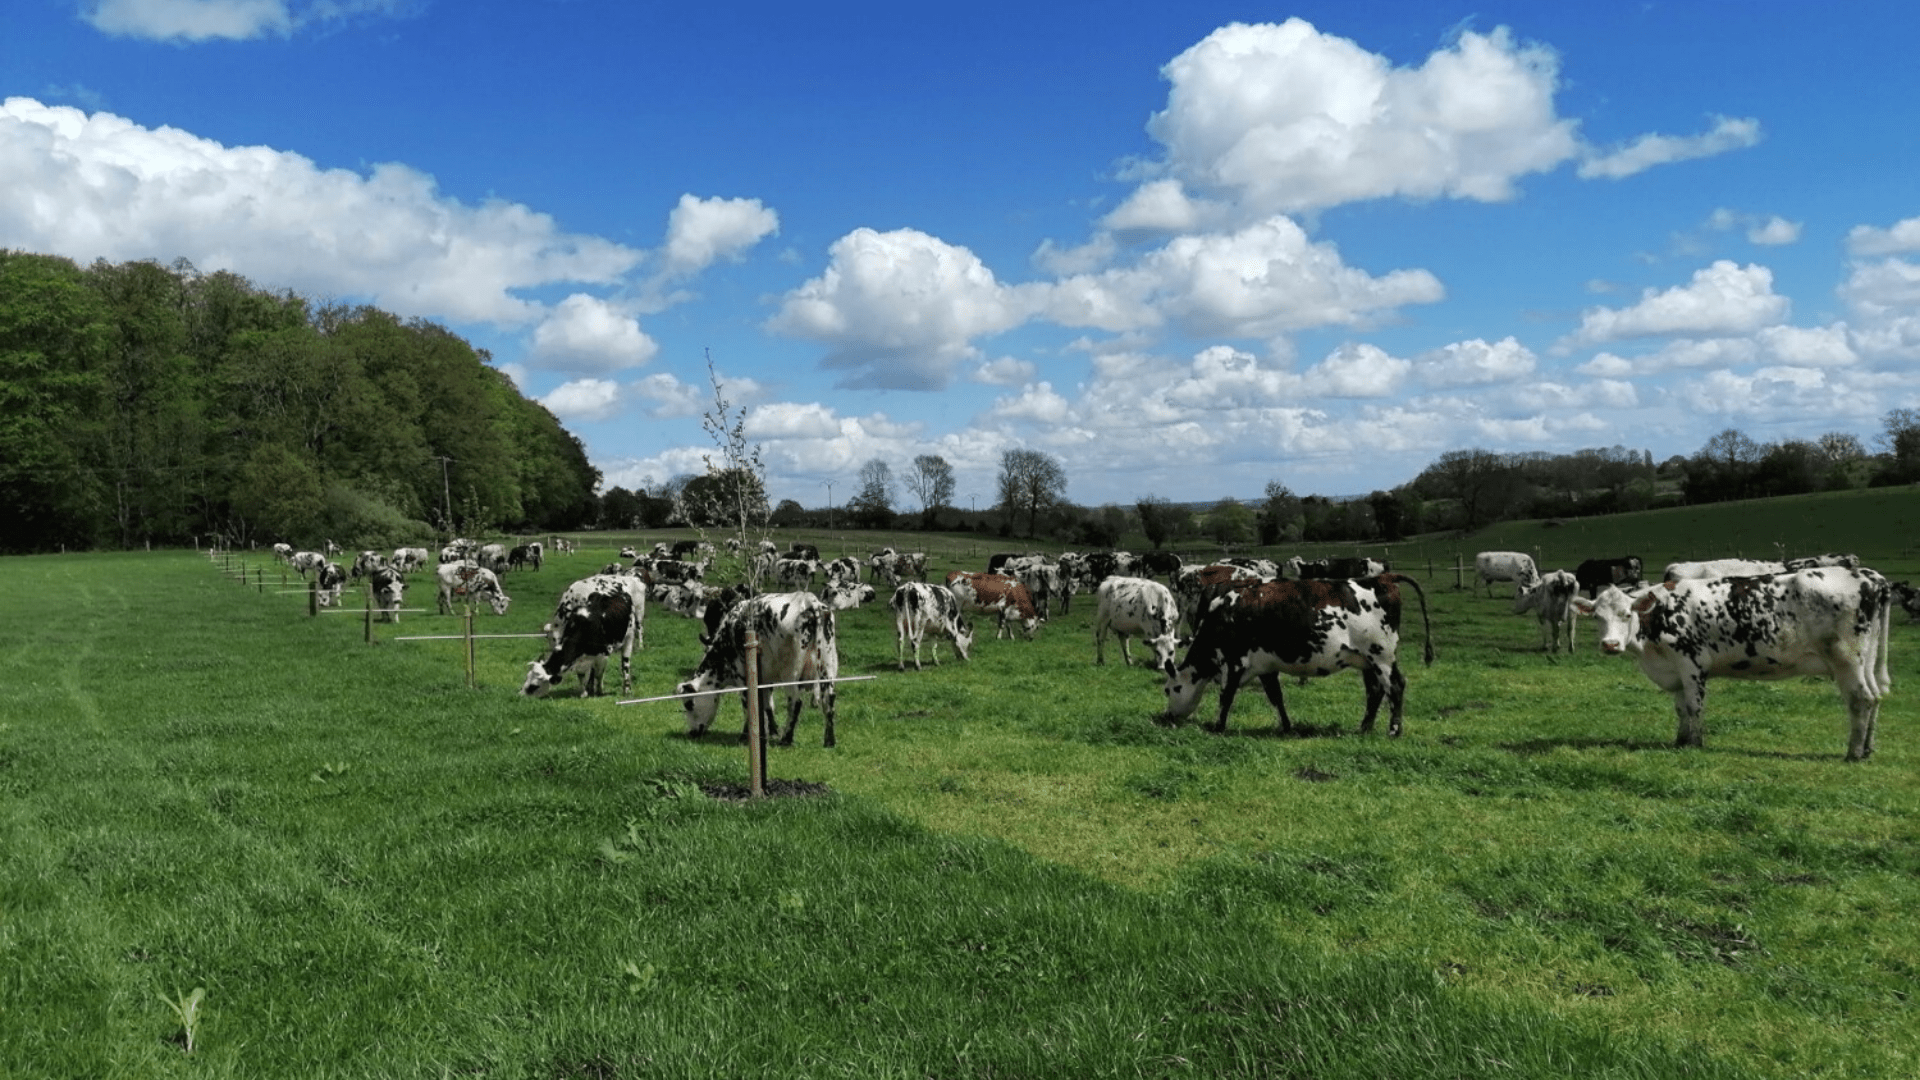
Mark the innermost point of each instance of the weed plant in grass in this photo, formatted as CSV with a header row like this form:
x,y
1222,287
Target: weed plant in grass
x,y
373,871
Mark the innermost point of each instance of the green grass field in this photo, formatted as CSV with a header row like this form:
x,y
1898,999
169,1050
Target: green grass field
x,y
373,871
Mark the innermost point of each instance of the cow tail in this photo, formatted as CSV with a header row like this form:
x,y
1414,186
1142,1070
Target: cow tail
x,y
1426,624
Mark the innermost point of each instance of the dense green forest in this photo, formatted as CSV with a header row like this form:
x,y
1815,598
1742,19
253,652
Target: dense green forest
x,y
145,404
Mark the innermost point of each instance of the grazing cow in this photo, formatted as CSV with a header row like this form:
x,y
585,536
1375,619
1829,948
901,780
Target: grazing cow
x,y
683,548
918,607
332,548
629,554
796,573
1830,621
1161,564
1908,598
1195,588
997,593
1715,568
718,604
687,600
798,550
408,559
844,570
389,591
366,563
493,557
1305,628
562,545
1042,579
1333,569
884,563
1102,565
305,562
1136,607
847,596
283,552
331,578
459,548
1551,599
1596,574
997,562
672,571
1267,568
1514,566
798,644
595,617
523,554
469,579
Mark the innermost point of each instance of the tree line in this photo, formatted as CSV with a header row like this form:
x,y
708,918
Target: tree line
x,y
147,404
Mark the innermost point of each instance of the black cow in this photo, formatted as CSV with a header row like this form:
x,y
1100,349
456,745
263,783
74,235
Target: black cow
x,y
1162,564
798,550
1596,574
596,617
1335,569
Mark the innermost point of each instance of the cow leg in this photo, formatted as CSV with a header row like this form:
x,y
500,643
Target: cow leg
x,y
900,648
1100,643
1271,684
1396,698
1124,653
1852,678
1229,686
794,704
1375,681
1689,705
826,713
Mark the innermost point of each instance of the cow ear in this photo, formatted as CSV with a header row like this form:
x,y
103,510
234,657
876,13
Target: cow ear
x,y
1645,603
1583,605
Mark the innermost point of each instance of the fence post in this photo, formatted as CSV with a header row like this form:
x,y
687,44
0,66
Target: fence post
x,y
369,615
1458,571
468,621
756,740
313,597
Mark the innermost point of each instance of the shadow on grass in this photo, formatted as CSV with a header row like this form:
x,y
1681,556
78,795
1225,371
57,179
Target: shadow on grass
x,y
1533,747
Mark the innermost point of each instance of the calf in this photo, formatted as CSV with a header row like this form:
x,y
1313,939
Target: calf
x,y
1551,599
1829,621
1136,607
919,607
595,617
470,580
1514,566
996,593
844,570
1596,574
798,644
1304,628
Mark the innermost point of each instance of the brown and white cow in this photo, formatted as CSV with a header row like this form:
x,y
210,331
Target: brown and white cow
x,y
1830,621
1136,607
1551,601
596,617
1197,587
919,607
1305,628
798,644
999,594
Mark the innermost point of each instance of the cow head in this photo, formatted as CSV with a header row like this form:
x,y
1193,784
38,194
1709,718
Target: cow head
x,y
1184,690
538,681
700,708
962,636
1618,616
498,601
392,592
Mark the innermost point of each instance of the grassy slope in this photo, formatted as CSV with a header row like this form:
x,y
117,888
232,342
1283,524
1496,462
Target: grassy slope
x,y
376,872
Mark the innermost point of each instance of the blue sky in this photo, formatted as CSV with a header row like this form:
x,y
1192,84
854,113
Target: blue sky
x,y
1186,249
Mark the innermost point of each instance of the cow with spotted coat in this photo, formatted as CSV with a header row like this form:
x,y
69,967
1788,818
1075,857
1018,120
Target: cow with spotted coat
x,y
999,594
1306,628
1830,621
919,608
595,618
798,643
1136,607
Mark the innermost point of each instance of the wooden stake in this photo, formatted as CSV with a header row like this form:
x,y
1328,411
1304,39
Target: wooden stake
x,y
756,739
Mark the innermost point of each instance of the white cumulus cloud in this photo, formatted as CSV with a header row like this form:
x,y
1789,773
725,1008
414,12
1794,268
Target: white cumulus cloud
x,y
1005,371
100,186
1868,240
1476,363
1647,151
1357,371
584,399
900,309
701,232
587,334
232,20
1722,299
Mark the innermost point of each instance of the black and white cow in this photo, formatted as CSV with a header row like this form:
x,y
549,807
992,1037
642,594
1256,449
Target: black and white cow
x,y
524,555
1041,577
1596,574
1195,588
1514,566
469,580
408,559
844,570
670,570
1809,562
1267,568
848,596
459,548
1908,598
1136,607
306,562
1551,601
1829,621
493,557
596,617
389,590
1305,628
688,599
1158,563
919,607
798,550
796,573
798,644
997,593
690,549
1717,568
1332,569
283,552
331,578
366,562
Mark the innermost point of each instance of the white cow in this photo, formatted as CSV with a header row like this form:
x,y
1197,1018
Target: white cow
x,y
1831,621
408,559
1551,600
919,607
1136,607
1514,566
469,579
798,644
493,557
848,596
306,562
283,552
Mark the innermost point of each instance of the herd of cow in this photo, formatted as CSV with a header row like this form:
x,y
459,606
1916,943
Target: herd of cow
x,y
1242,618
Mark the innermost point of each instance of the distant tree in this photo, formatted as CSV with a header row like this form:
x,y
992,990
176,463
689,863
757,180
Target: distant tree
x,y
1032,482
1484,484
931,481
1158,518
1725,468
721,499
1230,522
1790,467
1841,447
1901,440
1390,515
622,509
872,504
789,513
1279,519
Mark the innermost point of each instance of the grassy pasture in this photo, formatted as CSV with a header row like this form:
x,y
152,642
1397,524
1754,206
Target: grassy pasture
x,y
374,871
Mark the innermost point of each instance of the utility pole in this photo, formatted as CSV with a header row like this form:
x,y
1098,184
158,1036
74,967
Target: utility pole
x,y
446,495
829,487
